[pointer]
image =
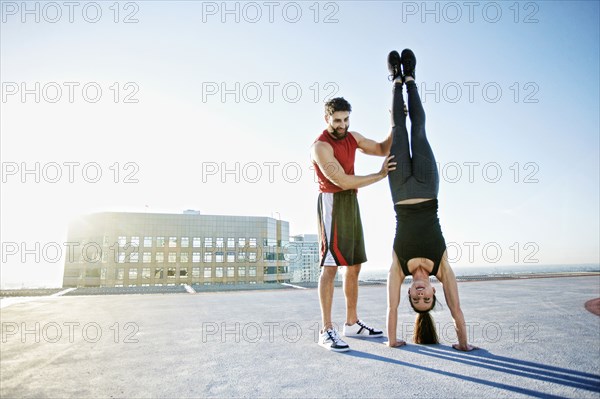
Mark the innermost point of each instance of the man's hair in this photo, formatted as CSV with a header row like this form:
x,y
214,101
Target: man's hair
x,y
425,332
337,104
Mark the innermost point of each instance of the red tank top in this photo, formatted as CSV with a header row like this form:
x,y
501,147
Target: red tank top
x,y
344,150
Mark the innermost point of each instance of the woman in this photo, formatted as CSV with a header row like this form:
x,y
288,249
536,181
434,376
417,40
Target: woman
x,y
419,246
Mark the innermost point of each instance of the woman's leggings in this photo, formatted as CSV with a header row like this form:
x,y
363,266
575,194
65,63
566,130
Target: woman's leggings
x,y
415,176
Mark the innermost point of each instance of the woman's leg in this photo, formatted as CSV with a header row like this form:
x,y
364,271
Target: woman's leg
x,y
424,166
400,147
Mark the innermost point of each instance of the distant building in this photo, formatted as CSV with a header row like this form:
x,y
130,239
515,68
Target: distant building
x,y
304,258
117,249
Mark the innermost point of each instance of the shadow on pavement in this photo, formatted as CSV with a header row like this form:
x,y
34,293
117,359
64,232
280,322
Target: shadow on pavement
x,y
487,360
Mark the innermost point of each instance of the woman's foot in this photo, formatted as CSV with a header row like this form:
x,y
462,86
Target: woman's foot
x,y
394,62
409,63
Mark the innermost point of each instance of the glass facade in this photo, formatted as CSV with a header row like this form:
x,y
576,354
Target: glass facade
x,y
161,249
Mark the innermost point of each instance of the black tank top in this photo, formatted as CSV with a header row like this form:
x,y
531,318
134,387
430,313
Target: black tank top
x,y
419,234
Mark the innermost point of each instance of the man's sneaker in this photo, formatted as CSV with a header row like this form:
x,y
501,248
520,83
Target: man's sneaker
x,y
330,339
394,63
360,329
409,63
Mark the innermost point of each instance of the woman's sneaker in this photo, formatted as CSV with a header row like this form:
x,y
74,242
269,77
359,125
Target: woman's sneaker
x,y
330,339
394,64
409,63
360,329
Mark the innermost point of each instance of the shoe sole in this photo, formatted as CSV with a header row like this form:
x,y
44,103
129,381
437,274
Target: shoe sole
x,y
394,59
328,347
364,336
409,57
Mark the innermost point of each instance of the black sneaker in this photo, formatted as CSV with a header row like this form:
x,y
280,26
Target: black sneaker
x,y
409,63
393,63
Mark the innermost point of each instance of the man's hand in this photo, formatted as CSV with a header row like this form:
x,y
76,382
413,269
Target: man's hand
x,y
387,166
467,348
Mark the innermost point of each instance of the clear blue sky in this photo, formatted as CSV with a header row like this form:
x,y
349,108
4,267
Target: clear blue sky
x,y
509,88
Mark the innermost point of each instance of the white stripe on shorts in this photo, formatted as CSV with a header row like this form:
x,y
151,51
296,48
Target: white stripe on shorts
x,y
326,211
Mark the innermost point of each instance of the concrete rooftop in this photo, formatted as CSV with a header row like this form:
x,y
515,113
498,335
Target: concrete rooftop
x,y
537,340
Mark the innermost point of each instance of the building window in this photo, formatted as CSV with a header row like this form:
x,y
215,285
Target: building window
x,y
219,272
195,272
133,274
252,271
230,271
252,257
195,257
242,271
196,242
183,272
208,257
172,242
219,257
242,256
230,257
185,242
147,242
160,257
241,242
120,273
208,242
207,272
183,257
171,272
135,242
147,257
122,241
159,273
252,242
121,257
172,257
219,242
230,242
160,242
103,273
134,257
146,273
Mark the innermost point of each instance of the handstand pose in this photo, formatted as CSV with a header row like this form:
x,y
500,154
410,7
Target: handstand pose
x,y
419,246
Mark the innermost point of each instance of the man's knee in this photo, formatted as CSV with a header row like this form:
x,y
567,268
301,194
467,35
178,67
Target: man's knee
x,y
352,271
328,273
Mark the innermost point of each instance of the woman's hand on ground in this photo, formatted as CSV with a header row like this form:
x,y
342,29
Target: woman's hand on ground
x,y
395,344
467,348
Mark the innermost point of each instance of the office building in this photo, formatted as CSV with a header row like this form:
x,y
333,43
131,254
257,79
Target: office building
x,y
304,258
118,249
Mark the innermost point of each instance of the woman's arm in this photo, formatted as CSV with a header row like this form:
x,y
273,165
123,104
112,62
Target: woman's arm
x,y
448,280
394,283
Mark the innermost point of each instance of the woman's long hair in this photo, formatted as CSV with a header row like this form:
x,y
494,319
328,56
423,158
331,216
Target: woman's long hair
x,y
425,332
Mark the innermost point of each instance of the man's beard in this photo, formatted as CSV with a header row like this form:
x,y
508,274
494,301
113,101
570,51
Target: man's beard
x,y
337,135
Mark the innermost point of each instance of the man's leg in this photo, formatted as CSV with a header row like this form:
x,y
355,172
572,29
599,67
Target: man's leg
x,y
351,293
326,281
354,327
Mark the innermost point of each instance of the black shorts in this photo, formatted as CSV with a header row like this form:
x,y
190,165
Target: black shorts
x,y
340,229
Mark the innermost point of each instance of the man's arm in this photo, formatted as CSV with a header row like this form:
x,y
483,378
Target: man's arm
x,y
322,155
371,147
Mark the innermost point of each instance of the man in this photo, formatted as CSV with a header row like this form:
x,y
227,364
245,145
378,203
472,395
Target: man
x,y
340,228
